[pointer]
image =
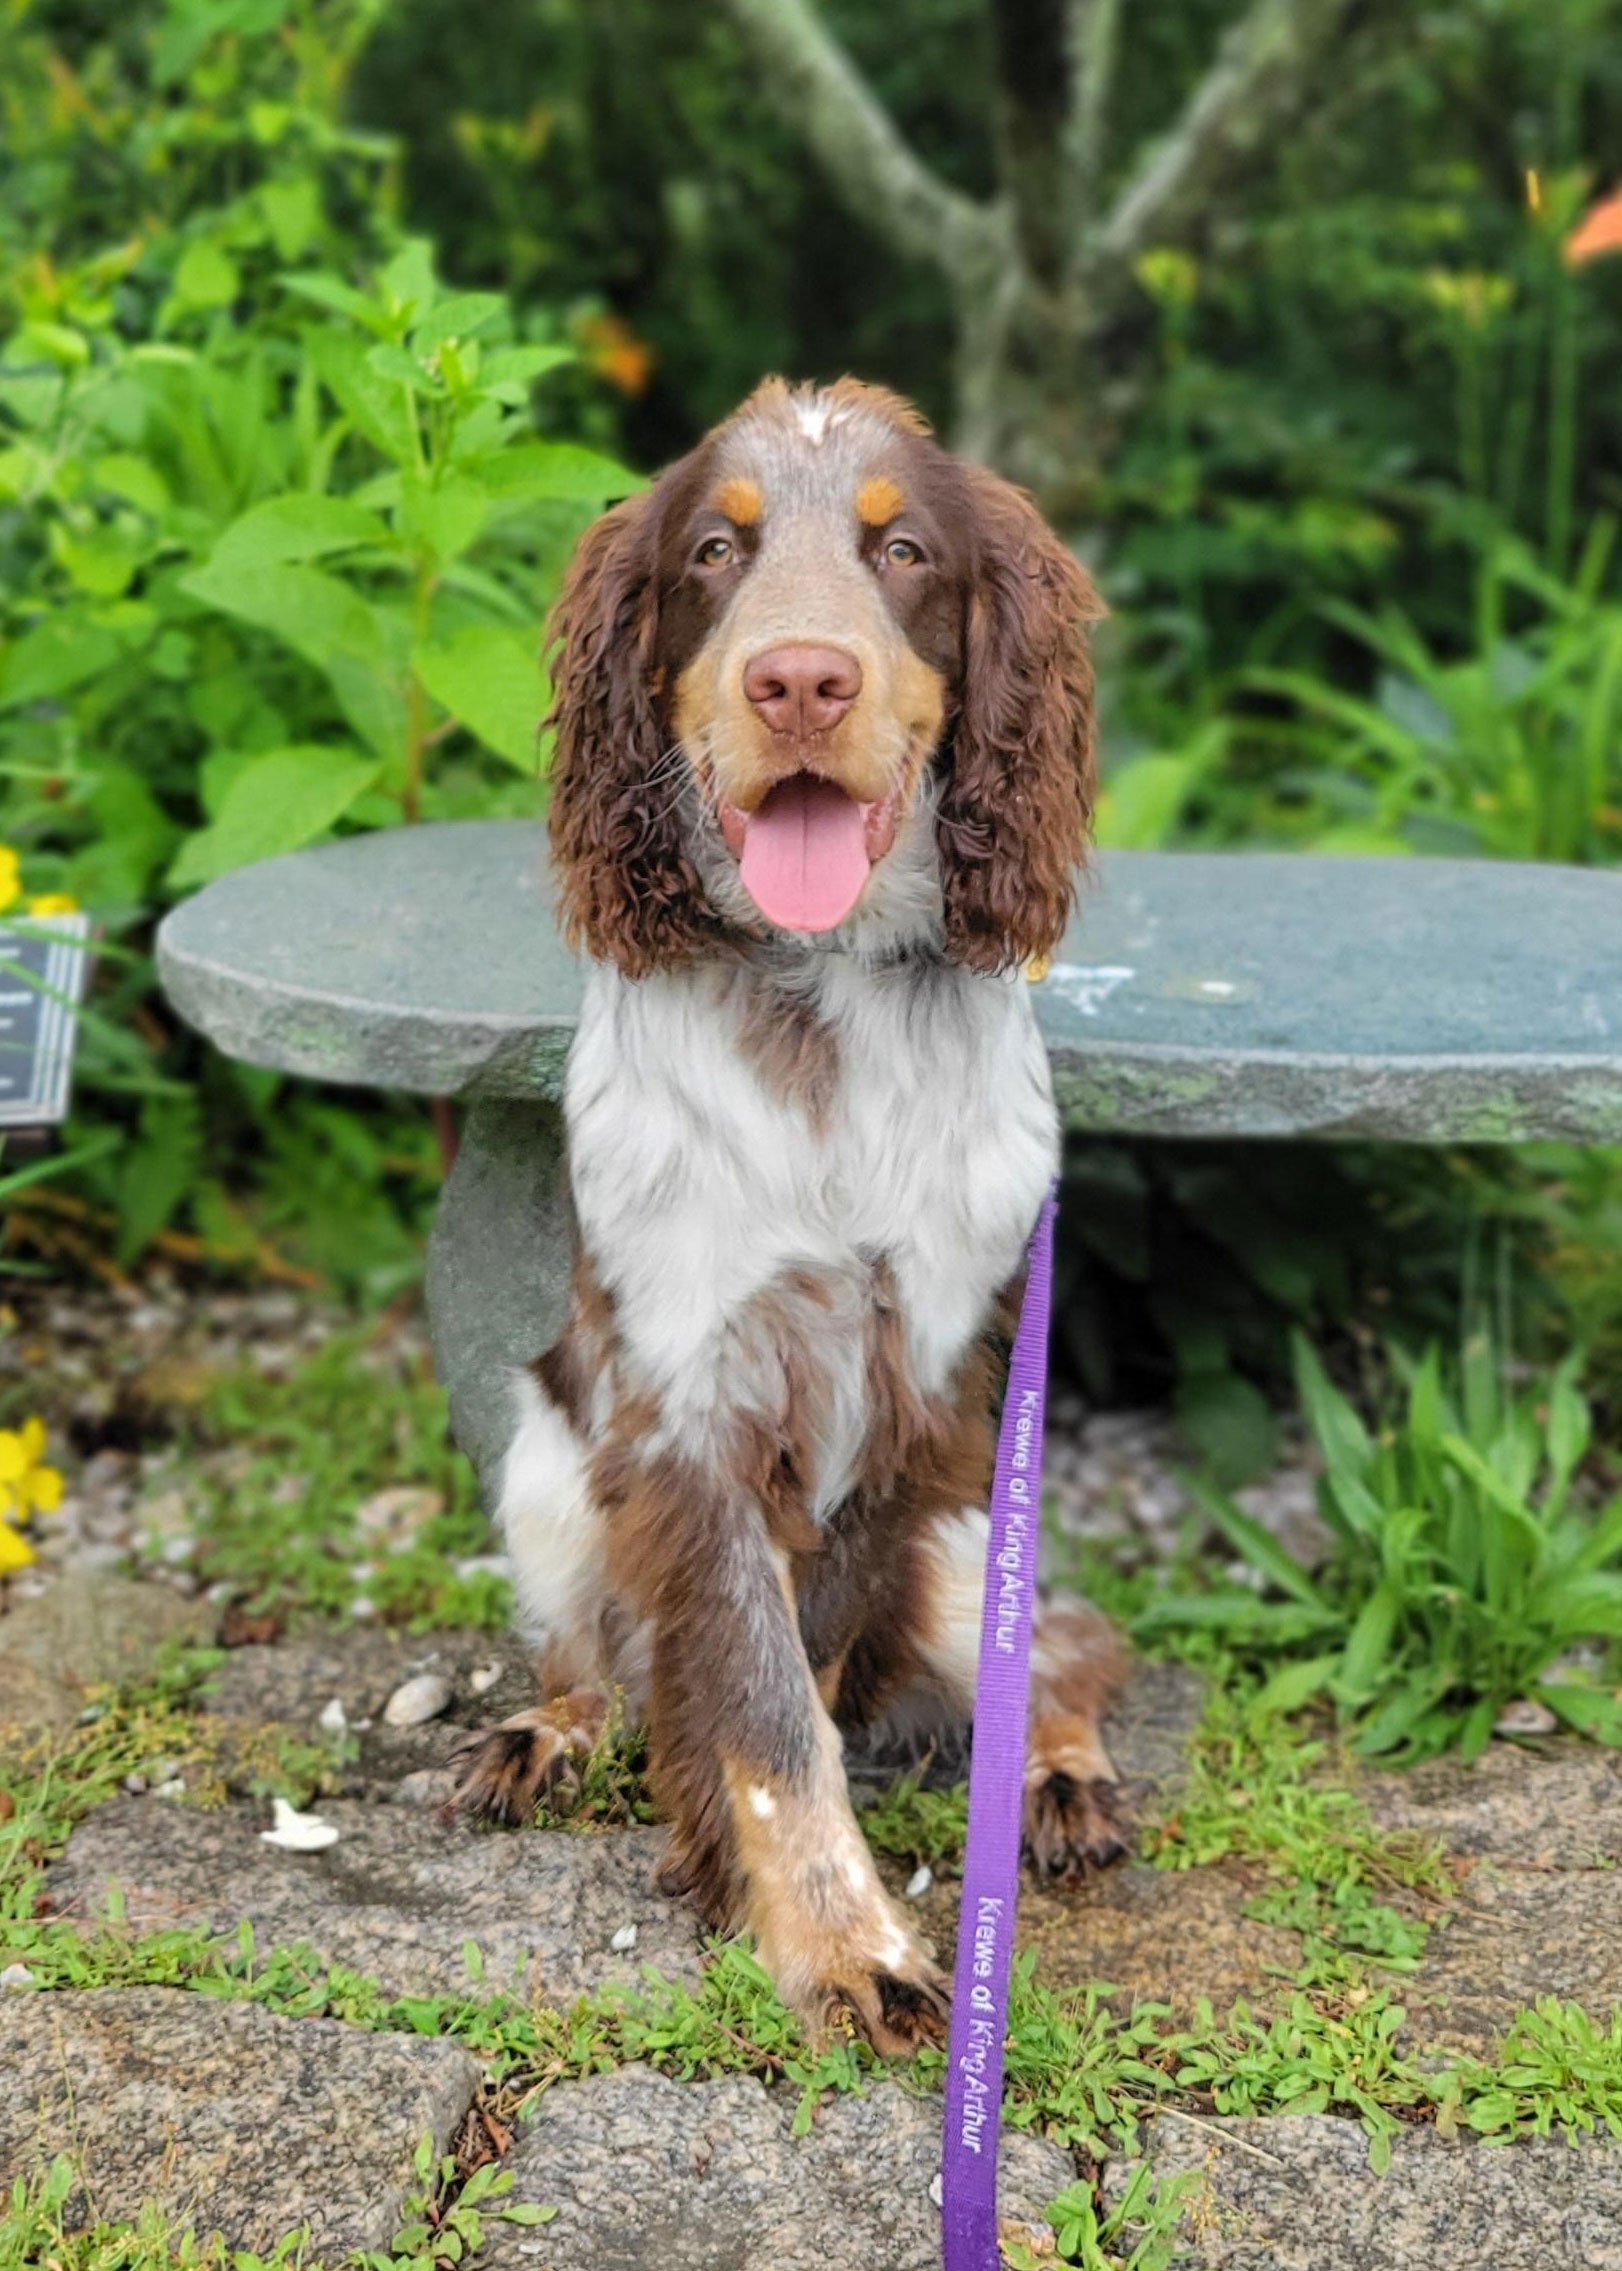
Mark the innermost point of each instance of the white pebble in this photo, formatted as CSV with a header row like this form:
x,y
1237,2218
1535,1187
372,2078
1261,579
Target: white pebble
x,y
362,1607
418,1699
334,1718
175,1787
484,1679
299,1833
919,1882
16,1975
135,1784
1525,1716
624,1940
935,2193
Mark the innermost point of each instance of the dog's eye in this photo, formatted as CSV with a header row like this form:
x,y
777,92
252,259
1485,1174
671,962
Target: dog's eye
x,y
714,552
901,552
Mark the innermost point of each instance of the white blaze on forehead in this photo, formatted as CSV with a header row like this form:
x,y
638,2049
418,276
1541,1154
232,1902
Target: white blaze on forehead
x,y
761,1801
815,417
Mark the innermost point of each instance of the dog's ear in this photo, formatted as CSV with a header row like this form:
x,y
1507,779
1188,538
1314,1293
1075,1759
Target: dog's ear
x,y
628,892
1017,804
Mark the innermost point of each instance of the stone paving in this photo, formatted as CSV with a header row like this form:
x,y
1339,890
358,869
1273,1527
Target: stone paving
x,y
254,2123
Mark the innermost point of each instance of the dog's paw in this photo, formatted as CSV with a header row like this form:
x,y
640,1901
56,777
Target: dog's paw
x,y
503,1773
1072,1825
895,2007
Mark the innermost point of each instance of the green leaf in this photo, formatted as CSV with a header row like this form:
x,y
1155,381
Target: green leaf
x,y
207,277
1259,1546
561,470
360,648
1230,1422
1369,1644
519,367
1590,1711
491,681
277,802
331,292
57,655
445,517
1342,1437
460,315
526,2212
303,526
374,406
1293,1685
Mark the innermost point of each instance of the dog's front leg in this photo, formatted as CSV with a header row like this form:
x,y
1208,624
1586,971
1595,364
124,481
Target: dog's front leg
x,y
746,1764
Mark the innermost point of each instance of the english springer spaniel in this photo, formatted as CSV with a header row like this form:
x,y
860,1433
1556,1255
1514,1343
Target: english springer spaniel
x,y
823,777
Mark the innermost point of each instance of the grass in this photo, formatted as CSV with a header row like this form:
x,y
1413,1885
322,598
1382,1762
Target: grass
x,y
1262,1790
43,2227
310,1451
1083,2068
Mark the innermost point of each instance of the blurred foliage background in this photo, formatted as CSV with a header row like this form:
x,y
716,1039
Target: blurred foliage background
x,y
325,325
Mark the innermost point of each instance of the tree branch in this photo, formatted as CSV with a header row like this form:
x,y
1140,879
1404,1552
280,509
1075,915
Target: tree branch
x,y
1090,36
1261,71
1034,84
814,84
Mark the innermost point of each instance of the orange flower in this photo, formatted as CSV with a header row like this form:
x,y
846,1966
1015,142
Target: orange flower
x,y
613,348
1598,232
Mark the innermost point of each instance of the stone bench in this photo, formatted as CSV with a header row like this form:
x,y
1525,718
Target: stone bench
x,y
1197,994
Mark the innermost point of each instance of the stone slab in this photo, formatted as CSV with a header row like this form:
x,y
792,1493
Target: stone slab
x,y
705,2176
96,1631
1556,1804
1518,1934
1253,993
397,1897
1299,2195
224,2115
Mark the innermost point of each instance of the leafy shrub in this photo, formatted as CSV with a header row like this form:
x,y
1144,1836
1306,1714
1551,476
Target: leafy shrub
x,y
277,535
1464,1568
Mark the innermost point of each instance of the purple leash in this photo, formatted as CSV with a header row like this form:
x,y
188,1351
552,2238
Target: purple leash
x,y
985,1942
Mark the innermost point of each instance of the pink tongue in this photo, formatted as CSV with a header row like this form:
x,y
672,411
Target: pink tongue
x,y
805,855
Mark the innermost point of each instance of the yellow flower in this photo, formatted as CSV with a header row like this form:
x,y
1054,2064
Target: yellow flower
x,y
15,1550
53,903
11,879
27,1484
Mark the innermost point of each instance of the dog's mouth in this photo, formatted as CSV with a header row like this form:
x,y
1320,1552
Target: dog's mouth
x,y
805,853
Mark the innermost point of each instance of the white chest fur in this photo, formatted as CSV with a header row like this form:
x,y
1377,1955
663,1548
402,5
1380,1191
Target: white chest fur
x,y
700,1186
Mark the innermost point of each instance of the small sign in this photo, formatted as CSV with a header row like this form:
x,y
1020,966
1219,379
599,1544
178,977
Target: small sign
x,y
43,967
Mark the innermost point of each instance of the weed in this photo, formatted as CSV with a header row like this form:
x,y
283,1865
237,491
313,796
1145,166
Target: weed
x,y
313,1448
917,1823
1464,1567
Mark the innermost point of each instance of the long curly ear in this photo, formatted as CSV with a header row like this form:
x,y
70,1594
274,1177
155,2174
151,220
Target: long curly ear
x,y
629,893
1017,805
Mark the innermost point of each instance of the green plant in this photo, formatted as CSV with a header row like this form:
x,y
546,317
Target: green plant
x,y
1465,1566
310,1451
1506,743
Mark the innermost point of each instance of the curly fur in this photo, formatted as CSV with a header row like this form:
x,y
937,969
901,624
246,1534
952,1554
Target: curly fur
x,y
1017,809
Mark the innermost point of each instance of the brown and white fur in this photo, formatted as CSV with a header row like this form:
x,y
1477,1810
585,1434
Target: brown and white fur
x,y
747,1484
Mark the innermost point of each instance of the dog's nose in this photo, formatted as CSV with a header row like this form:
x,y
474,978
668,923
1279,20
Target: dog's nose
x,y
802,689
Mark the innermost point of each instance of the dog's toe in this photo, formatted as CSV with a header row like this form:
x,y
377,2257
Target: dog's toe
x,y
1072,1826
893,2009
502,1773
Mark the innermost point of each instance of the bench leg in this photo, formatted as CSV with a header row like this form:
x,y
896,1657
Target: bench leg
x,y
498,1269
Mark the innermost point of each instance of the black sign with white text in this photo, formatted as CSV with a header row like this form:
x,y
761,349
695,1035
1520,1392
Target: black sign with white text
x,y
42,978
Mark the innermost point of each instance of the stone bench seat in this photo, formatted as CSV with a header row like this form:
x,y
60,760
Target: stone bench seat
x,y
1197,994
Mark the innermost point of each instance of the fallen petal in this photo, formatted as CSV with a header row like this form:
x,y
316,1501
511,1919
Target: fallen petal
x,y
299,1833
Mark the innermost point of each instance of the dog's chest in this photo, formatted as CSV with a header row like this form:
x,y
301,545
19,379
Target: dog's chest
x,y
706,1181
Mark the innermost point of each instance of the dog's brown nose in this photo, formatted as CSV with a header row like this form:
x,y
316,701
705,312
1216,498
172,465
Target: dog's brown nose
x,y
802,689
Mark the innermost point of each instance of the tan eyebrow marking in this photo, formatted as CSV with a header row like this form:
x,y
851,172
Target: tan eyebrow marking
x,y
740,500
878,500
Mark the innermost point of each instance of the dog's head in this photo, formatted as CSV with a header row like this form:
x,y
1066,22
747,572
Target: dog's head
x,y
821,673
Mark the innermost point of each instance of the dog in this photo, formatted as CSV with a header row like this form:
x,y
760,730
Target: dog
x,y
822,781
